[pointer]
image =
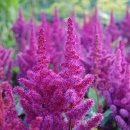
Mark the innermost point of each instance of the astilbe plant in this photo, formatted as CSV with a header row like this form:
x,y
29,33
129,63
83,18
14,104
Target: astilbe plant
x,y
20,32
117,96
58,40
51,97
73,17
57,99
8,115
98,60
50,47
112,29
7,63
88,30
125,27
27,58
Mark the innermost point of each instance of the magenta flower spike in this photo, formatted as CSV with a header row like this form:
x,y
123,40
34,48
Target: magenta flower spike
x,y
19,31
58,41
121,123
21,18
95,21
5,57
42,58
88,31
84,20
9,119
56,15
71,72
36,124
41,71
27,59
112,28
8,115
117,65
71,57
91,123
94,57
117,94
57,31
56,100
73,17
56,72
50,40
125,27
86,34
43,20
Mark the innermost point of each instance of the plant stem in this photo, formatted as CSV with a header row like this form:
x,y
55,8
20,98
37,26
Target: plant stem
x,y
70,123
96,67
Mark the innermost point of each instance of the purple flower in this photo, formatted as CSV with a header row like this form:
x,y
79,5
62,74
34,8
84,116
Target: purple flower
x,y
57,98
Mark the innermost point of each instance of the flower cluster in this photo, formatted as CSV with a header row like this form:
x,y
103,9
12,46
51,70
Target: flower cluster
x,y
117,96
8,114
58,69
59,98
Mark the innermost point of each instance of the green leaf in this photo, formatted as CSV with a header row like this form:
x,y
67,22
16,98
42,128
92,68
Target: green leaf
x,y
107,113
107,117
16,70
51,67
92,94
19,109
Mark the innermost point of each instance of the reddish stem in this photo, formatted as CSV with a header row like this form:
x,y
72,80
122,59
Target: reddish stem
x,y
1,110
70,124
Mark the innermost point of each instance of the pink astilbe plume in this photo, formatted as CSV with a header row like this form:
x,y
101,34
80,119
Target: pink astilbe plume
x,y
86,37
70,55
98,61
6,62
56,100
8,114
73,17
57,69
112,29
125,24
91,123
27,59
58,31
117,96
95,20
44,22
58,40
20,32
48,34
88,31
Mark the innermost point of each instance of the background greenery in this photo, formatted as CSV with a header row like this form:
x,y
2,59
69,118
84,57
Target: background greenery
x,y
9,12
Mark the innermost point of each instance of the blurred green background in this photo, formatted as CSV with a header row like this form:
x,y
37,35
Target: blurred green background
x,y
9,12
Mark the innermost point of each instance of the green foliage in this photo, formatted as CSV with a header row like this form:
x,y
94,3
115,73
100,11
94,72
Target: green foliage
x,y
107,117
92,94
14,77
118,6
19,109
8,14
